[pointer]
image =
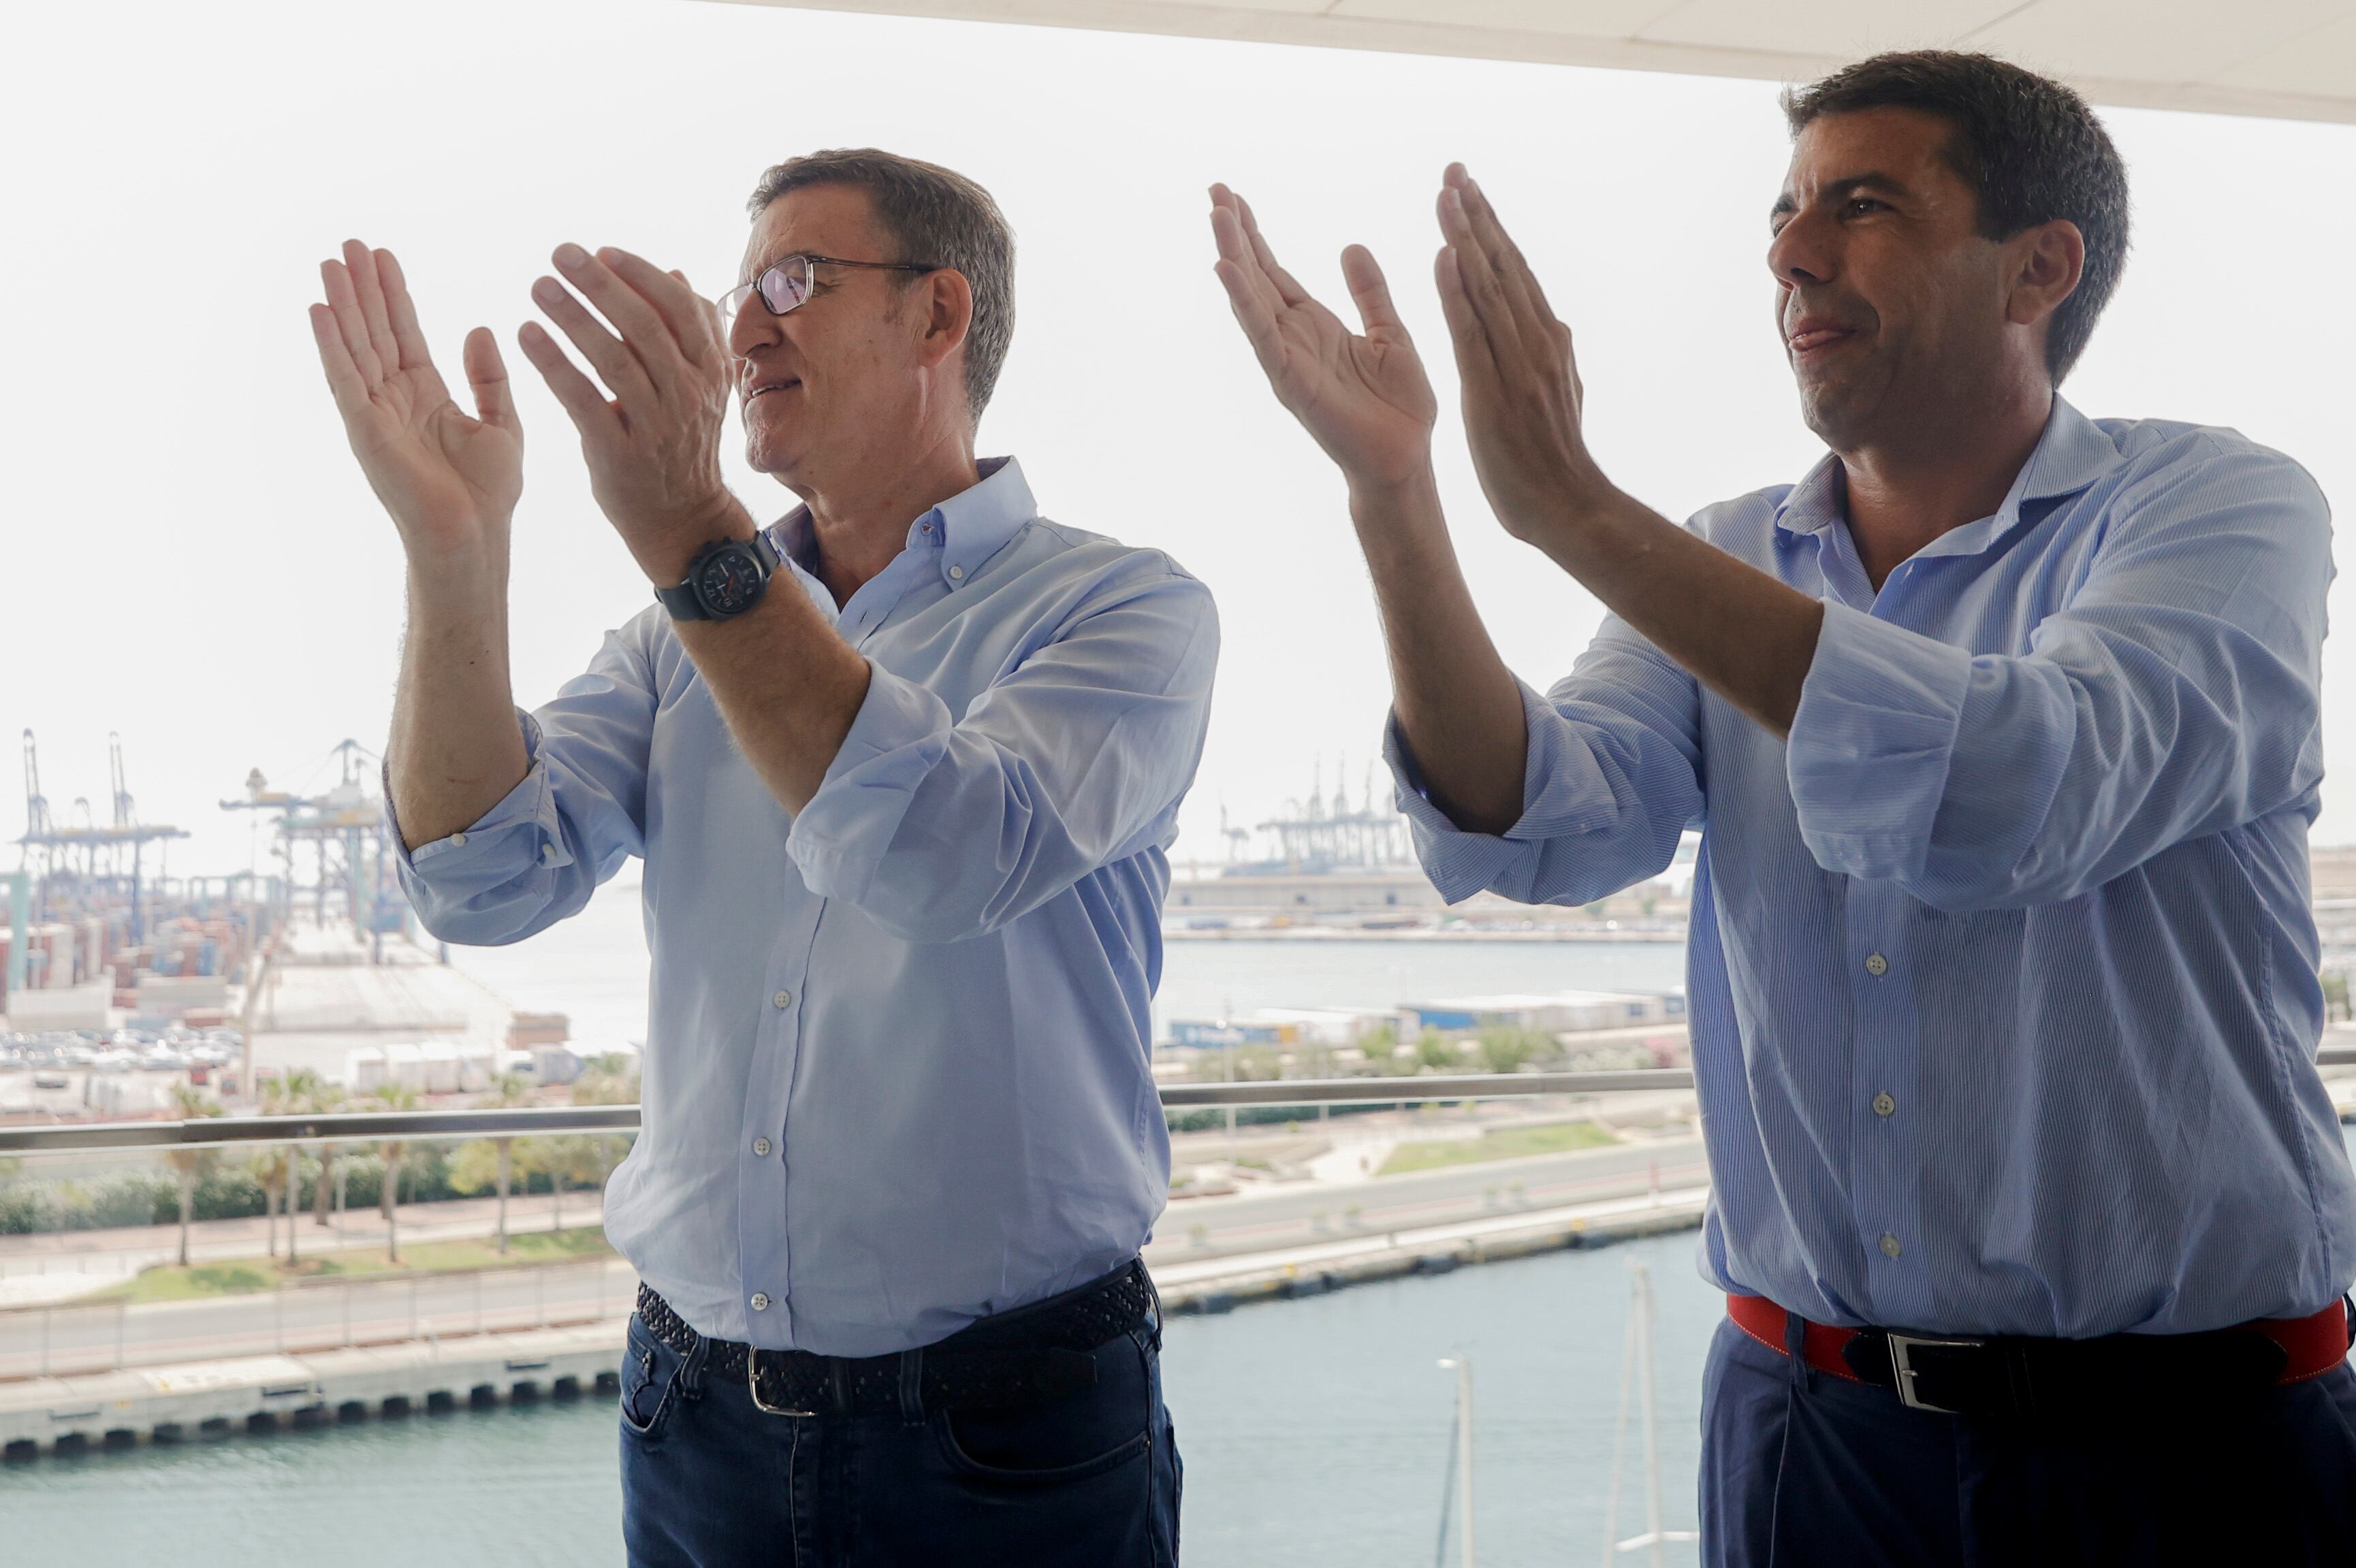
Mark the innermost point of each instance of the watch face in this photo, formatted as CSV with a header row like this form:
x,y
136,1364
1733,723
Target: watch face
x,y
728,580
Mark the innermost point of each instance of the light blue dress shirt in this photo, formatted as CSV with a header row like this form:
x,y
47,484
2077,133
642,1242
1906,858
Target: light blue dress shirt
x,y
2002,973
897,1068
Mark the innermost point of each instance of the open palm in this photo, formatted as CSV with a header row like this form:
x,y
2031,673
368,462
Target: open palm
x,y
1363,396
450,481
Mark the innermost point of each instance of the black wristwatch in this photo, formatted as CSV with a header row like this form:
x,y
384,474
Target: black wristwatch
x,y
726,578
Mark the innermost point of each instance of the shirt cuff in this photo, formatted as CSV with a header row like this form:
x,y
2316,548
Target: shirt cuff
x,y
839,837
532,803
1872,743
1557,801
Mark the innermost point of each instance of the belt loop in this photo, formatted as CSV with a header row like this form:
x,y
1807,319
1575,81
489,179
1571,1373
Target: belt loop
x,y
1155,1291
911,1386
1795,1350
691,1367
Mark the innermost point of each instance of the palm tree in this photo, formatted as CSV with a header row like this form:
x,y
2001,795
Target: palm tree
x,y
190,1164
510,1090
396,1098
322,1098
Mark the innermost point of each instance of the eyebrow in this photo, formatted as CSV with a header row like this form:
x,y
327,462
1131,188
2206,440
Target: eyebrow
x,y
1872,180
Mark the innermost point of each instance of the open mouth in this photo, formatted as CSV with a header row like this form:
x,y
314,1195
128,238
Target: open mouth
x,y
781,384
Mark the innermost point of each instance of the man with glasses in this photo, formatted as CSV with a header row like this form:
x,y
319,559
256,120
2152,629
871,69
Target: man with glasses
x,y
903,769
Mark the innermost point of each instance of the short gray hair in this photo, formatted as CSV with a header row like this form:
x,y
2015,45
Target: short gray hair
x,y
939,217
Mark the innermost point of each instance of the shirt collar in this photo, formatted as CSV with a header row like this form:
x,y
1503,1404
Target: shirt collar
x,y
2071,454
963,531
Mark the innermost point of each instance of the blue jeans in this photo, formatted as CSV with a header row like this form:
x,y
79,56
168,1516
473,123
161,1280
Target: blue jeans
x,y
1800,1468
709,1480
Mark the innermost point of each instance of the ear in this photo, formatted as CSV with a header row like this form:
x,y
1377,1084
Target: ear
x,y
2046,262
943,314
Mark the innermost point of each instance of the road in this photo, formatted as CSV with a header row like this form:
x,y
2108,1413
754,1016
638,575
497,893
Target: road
x,y
1290,1214
310,1317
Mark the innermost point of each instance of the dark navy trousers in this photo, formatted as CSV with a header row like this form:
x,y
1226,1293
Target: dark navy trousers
x,y
1800,1468
709,1480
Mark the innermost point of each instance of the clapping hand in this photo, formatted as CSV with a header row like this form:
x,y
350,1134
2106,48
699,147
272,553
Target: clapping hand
x,y
653,449
451,482
1522,394
1363,396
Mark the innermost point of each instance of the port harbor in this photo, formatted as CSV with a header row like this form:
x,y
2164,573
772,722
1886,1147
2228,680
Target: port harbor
x,y
230,1209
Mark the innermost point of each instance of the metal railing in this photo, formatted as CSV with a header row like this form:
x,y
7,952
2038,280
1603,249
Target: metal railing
x,y
529,1120
379,1126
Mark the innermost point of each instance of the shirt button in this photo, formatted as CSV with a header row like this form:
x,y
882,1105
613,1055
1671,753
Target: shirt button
x,y
457,842
760,1301
1875,964
1889,1249
548,851
956,574
761,1147
1883,1104
783,999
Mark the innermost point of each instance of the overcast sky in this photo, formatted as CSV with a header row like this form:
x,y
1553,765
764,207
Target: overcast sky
x,y
193,559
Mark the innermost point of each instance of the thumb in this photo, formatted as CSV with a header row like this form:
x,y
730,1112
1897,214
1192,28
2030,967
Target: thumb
x,y
487,373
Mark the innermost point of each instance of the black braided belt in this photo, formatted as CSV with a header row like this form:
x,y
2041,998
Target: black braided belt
x,y
1030,1356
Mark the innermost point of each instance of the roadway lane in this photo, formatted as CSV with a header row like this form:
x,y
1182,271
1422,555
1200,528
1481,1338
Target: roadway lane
x,y
313,1317
1298,1212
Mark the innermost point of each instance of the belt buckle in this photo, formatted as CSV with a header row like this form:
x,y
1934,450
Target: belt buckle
x,y
1901,1351
752,1382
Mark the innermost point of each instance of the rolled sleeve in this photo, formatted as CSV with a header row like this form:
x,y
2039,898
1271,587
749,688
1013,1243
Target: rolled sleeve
x,y
1872,743
900,735
1610,781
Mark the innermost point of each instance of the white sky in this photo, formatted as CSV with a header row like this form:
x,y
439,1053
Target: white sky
x,y
193,559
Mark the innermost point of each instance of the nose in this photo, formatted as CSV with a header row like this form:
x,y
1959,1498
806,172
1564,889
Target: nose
x,y
1803,251
754,327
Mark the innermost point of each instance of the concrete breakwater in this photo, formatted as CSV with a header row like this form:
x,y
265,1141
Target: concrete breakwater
x,y
211,1400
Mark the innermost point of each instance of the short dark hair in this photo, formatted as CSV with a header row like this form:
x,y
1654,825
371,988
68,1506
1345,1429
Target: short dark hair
x,y
936,216
2031,149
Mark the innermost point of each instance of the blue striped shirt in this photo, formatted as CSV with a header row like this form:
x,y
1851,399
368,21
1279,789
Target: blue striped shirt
x,y
897,1071
2002,972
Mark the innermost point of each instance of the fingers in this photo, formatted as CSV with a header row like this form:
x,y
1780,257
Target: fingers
x,y
369,290
1486,293
344,304
487,373
1250,294
612,358
344,380
591,414
690,319
1287,289
1476,362
400,311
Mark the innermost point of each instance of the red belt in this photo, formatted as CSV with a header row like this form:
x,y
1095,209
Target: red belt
x,y
2310,1347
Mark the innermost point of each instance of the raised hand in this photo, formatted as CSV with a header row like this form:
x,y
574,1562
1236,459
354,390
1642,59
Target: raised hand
x,y
1522,394
654,448
1363,396
450,481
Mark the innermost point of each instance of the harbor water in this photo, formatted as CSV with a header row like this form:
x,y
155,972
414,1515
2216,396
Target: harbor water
x,y
1314,1432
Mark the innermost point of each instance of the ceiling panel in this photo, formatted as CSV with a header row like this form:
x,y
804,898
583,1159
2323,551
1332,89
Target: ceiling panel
x,y
2284,58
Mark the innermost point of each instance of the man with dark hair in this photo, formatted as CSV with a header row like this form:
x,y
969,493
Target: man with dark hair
x,y
903,769
2001,730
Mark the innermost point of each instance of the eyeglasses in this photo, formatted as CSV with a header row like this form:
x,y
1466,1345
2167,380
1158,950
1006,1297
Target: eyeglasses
x,y
786,285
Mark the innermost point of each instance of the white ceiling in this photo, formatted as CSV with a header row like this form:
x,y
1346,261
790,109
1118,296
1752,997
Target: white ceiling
x,y
2292,60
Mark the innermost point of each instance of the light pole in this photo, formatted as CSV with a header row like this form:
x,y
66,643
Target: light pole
x,y
1463,1368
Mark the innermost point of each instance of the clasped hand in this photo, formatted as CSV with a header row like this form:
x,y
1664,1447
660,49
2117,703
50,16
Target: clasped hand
x,y
451,481
1365,397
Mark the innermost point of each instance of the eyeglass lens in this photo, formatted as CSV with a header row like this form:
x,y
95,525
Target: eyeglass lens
x,y
781,288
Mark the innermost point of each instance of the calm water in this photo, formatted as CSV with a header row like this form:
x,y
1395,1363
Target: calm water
x,y
1313,1432
593,966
